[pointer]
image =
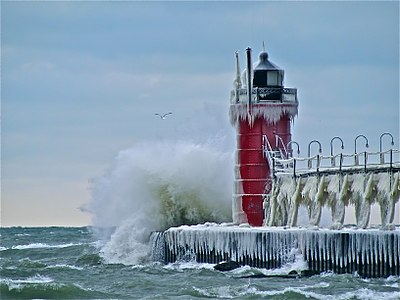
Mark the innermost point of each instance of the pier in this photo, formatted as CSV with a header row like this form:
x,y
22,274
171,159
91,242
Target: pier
x,y
336,181
271,184
370,253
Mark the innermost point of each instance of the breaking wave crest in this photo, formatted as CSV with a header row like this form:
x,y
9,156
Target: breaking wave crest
x,y
153,186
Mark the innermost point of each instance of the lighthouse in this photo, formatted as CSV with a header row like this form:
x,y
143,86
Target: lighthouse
x,y
261,110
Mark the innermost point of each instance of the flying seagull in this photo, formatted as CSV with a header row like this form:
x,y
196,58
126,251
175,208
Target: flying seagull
x,y
164,115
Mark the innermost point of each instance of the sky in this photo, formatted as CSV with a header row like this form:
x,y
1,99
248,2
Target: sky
x,y
81,81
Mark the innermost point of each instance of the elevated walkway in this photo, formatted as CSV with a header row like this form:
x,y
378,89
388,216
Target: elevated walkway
x,y
337,181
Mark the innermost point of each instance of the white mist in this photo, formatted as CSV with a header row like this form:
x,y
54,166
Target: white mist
x,y
158,184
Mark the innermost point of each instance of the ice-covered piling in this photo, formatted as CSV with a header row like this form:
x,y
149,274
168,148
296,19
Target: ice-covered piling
x,y
370,253
336,191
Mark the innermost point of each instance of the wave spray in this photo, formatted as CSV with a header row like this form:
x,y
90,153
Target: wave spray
x,y
155,185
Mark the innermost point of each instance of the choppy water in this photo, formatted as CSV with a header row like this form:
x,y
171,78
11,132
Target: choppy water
x,y
67,263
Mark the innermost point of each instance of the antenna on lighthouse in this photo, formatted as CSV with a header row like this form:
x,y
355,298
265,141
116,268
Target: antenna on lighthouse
x,y
249,82
238,81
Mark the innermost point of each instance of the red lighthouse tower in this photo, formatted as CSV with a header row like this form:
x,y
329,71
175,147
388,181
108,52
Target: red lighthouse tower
x,y
261,111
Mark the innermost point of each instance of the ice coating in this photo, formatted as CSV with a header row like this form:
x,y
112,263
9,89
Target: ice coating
x,y
337,192
366,251
270,112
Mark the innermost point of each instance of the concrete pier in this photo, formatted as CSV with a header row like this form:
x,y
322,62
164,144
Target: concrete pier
x,y
369,252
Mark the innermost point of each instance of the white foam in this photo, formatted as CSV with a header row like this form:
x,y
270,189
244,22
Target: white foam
x,y
17,283
153,186
64,266
229,292
42,245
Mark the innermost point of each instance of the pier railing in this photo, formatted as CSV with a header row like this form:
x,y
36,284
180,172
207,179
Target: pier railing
x,y
341,163
381,161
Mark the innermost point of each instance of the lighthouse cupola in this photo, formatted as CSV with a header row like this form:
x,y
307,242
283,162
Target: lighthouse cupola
x,y
267,74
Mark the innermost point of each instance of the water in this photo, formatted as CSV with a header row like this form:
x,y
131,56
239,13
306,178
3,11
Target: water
x,y
153,186
68,263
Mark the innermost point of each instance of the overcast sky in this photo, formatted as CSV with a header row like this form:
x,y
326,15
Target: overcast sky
x,y
81,81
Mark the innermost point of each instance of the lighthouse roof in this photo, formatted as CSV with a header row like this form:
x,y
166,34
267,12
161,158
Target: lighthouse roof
x,y
264,63
267,74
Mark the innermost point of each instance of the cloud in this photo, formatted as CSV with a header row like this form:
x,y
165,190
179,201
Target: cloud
x,y
82,80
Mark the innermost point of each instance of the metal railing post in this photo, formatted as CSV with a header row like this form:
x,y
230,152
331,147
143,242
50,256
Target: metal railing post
x,y
273,165
355,147
333,162
294,167
365,161
382,155
382,158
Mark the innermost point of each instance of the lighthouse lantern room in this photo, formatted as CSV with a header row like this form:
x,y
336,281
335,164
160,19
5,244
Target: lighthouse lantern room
x,y
261,110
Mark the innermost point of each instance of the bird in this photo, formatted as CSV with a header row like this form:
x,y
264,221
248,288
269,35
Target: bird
x,y
163,116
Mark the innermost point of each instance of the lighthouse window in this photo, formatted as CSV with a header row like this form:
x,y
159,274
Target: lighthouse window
x,y
280,80
272,78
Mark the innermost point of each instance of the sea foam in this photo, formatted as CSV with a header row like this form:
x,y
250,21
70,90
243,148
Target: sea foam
x,y
155,185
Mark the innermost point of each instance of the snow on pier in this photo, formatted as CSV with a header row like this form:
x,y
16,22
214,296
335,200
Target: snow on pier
x,y
369,252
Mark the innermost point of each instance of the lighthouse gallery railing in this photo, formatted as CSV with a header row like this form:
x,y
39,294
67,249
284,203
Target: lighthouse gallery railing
x,y
262,94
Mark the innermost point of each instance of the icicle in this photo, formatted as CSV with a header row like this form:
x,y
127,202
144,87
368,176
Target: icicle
x,y
295,201
368,249
357,251
324,246
363,189
394,198
284,185
363,251
337,254
238,215
339,191
354,254
350,255
264,247
384,241
331,247
309,191
317,203
390,251
396,243
270,112
376,248
346,250
273,205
